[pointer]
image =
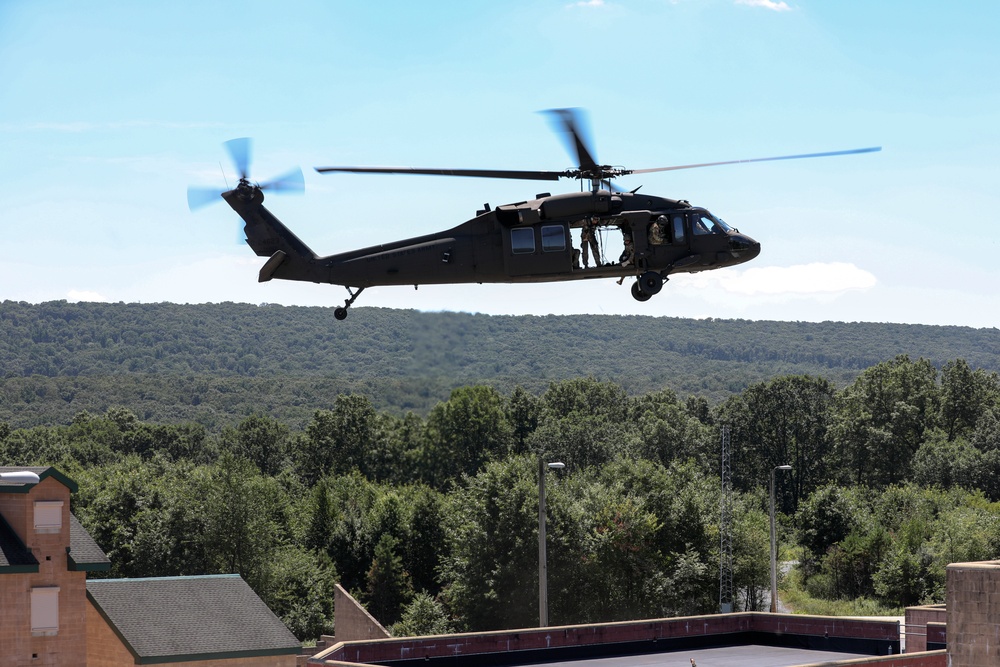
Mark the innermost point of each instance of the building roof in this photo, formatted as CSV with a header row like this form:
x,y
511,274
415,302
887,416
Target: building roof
x,y
169,619
42,472
14,555
84,554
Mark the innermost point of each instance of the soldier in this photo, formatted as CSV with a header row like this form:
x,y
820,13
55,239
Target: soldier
x,y
628,255
658,231
587,238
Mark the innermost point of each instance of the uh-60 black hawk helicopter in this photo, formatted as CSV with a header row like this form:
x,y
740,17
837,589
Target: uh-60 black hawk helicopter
x,y
525,242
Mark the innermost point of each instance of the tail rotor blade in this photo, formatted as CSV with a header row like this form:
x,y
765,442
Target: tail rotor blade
x,y
201,197
239,151
292,181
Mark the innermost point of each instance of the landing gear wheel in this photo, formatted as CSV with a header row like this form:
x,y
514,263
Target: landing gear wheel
x,y
638,294
650,283
341,311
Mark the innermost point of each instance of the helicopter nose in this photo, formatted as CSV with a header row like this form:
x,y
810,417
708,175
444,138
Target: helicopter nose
x,y
743,247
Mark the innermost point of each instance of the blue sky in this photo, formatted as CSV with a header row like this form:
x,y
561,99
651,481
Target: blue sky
x,y
110,110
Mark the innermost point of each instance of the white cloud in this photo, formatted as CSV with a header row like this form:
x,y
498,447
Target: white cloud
x,y
801,279
766,4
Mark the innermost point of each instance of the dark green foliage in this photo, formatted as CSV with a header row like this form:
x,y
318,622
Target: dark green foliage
x,y
490,573
782,422
397,453
262,440
300,590
881,420
471,427
388,587
215,364
423,616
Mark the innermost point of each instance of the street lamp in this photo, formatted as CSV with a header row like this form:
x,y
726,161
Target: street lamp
x,y
543,584
774,546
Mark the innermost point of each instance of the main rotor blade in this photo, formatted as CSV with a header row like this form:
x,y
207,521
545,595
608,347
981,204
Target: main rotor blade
x,y
292,181
873,149
239,151
476,173
199,197
571,123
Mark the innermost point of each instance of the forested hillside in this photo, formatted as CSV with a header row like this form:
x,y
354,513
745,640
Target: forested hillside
x,y
397,453
217,363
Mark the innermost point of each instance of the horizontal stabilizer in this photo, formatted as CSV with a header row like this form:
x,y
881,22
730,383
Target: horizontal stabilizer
x,y
271,265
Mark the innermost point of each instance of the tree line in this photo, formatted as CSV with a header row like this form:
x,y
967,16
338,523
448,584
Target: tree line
x,y
432,520
218,363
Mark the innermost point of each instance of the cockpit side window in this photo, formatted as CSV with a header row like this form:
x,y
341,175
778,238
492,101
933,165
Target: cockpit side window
x,y
701,224
706,223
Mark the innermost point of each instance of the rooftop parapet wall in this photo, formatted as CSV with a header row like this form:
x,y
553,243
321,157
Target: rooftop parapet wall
x,y
917,620
650,635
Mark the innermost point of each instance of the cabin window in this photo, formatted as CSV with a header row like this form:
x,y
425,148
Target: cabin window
x,y
553,238
44,610
48,516
522,241
678,221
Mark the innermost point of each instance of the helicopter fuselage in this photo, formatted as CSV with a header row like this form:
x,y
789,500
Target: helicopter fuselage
x,y
523,242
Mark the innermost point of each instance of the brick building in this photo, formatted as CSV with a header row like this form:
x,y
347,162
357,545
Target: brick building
x,y
51,615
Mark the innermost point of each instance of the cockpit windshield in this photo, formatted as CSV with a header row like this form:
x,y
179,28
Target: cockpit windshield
x,y
706,223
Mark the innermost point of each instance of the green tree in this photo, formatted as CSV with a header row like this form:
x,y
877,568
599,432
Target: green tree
x,y
338,440
260,439
523,412
491,573
422,616
244,519
947,463
781,422
668,431
880,420
300,591
388,586
464,432
965,394
751,553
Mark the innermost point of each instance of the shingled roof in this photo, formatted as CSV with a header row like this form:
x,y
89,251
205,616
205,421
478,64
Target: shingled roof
x,y
84,554
171,619
14,555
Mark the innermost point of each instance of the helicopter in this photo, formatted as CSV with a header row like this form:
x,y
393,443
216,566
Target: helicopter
x,y
528,241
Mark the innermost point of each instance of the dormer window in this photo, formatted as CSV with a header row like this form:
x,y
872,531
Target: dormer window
x,y
48,516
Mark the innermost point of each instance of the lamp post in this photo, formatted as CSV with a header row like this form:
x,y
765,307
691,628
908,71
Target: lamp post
x,y
774,545
543,584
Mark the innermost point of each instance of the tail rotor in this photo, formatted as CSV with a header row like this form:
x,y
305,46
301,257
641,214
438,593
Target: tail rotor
x,y
239,152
